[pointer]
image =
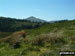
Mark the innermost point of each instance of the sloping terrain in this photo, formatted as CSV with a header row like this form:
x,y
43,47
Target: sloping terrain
x,y
46,40
12,24
34,19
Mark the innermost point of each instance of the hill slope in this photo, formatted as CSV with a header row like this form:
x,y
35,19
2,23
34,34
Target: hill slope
x,y
46,40
12,24
34,19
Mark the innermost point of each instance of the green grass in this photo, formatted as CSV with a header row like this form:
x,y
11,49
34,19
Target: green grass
x,y
46,40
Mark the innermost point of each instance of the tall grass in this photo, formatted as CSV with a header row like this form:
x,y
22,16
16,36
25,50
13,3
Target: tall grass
x,y
49,38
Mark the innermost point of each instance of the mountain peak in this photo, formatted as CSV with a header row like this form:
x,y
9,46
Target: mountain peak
x,y
31,17
34,19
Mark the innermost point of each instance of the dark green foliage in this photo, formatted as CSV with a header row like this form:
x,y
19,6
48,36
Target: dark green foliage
x,y
12,24
5,34
17,45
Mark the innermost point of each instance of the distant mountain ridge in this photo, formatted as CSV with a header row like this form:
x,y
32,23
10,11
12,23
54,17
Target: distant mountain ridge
x,y
34,19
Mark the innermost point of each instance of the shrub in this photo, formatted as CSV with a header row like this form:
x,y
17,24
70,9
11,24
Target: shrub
x,y
15,39
48,38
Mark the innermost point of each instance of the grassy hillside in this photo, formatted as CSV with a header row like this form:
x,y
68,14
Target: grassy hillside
x,y
12,24
46,40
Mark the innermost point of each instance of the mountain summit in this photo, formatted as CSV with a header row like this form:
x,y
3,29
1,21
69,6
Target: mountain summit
x,y
34,19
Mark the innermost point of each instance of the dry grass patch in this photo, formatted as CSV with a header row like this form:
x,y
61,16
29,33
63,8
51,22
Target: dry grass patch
x,y
49,38
15,38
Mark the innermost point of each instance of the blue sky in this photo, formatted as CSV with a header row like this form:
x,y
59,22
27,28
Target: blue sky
x,y
44,9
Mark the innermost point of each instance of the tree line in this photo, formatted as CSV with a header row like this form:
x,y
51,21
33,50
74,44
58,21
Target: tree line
x,y
13,24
